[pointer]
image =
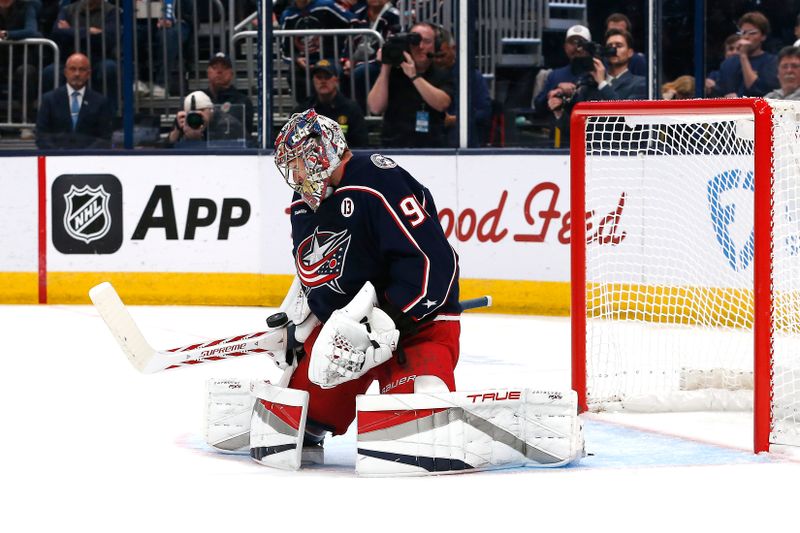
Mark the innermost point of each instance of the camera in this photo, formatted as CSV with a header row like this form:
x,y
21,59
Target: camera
x,y
195,120
597,50
566,100
393,48
585,64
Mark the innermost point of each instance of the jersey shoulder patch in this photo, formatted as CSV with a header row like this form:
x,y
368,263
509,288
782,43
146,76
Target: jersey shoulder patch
x,y
381,161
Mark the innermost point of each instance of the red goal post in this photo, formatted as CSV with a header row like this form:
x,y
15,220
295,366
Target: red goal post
x,y
653,302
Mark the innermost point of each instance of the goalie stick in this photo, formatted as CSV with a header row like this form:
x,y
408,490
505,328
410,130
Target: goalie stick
x,y
278,336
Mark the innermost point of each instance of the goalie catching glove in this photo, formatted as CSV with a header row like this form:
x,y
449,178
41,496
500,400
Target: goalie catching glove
x,y
354,340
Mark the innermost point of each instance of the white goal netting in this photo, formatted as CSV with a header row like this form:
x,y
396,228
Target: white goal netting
x,y
669,263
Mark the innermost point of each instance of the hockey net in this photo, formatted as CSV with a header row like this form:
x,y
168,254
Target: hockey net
x,y
686,281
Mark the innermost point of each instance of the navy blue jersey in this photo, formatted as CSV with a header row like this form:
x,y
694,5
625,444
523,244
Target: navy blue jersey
x,y
379,225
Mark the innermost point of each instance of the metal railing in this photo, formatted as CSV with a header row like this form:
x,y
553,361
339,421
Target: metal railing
x,y
103,48
499,23
503,22
166,58
441,12
19,75
284,96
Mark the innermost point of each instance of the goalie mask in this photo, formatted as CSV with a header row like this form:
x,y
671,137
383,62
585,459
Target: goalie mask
x,y
308,150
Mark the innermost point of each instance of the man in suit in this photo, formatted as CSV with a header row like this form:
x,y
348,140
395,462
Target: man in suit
x,y
73,115
623,83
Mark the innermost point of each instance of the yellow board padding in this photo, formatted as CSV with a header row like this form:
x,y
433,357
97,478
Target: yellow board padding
x,y
187,288
19,287
519,296
172,288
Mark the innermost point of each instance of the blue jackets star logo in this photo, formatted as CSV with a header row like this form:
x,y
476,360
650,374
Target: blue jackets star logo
x,y
320,259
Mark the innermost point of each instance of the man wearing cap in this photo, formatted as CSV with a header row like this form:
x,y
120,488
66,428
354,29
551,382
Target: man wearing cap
x,y
576,36
331,103
221,90
198,125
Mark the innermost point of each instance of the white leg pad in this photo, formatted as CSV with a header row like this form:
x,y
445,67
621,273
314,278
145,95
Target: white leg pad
x,y
277,426
441,433
229,404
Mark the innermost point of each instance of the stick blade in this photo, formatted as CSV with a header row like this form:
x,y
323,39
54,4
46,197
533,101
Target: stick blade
x,y
121,324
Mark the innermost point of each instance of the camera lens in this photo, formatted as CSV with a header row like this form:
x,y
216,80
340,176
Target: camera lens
x,y
195,120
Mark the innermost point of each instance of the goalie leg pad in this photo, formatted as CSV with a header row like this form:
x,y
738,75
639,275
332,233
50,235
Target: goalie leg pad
x,y
419,434
229,404
277,426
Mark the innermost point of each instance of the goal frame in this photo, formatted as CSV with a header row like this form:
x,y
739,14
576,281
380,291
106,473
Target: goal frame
x,y
763,326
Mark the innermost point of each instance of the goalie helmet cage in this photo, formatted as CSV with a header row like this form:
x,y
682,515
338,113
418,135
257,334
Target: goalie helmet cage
x,y
686,268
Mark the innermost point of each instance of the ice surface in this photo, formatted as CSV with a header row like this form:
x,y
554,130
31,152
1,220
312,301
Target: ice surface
x,y
89,444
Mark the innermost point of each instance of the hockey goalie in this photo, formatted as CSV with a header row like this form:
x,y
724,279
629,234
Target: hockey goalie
x,y
376,298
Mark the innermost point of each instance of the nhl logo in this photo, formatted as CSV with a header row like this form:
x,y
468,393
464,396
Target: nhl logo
x,y
87,217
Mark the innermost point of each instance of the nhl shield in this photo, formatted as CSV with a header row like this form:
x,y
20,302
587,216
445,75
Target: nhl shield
x,y
87,217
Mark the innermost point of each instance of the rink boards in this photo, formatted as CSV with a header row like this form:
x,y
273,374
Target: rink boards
x,y
188,229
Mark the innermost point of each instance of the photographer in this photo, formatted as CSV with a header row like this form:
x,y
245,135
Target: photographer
x,y
576,36
595,83
410,91
199,126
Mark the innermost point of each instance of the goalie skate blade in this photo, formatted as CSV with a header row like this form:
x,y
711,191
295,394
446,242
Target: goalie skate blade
x,y
121,324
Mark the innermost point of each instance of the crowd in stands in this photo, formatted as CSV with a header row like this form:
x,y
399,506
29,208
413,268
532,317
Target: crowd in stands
x,y
410,85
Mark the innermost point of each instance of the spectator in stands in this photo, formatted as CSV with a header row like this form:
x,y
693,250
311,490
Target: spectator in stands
x,y
413,96
788,75
618,21
93,24
618,83
73,115
312,15
199,125
48,13
480,105
221,90
752,72
713,77
576,37
382,17
18,22
681,88
330,102
797,29
160,37
622,84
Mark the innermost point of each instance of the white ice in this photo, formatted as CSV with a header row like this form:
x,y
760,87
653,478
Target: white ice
x,y
89,444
